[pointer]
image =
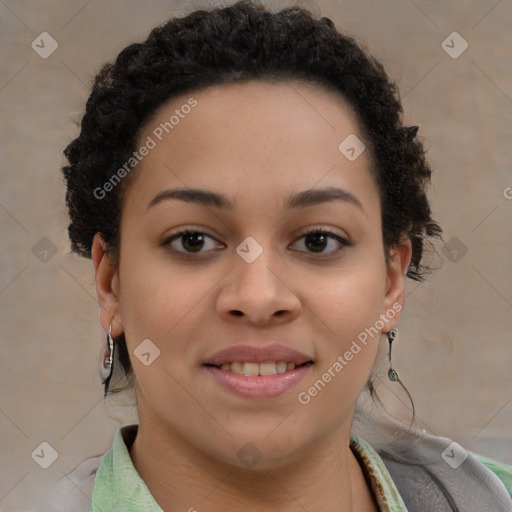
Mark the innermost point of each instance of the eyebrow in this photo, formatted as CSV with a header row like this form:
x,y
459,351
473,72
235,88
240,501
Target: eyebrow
x,y
304,199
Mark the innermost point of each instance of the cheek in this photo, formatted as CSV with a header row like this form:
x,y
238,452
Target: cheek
x,y
349,301
165,304
346,350
156,295
349,307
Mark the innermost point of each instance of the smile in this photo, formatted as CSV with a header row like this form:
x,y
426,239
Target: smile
x,y
261,381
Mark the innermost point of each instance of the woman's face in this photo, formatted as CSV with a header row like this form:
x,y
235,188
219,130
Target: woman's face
x,y
252,286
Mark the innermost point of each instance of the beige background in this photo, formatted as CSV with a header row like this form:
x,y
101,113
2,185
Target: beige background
x,y
454,348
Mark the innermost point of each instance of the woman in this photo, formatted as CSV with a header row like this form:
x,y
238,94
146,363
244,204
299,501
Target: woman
x,y
253,204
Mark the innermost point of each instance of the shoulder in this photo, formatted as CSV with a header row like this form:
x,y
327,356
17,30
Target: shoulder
x,y
436,470
501,470
74,490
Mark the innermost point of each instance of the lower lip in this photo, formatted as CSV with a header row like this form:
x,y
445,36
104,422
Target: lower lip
x,y
263,386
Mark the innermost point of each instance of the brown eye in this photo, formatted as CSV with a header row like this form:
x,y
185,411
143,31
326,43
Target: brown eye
x,y
317,241
193,241
188,241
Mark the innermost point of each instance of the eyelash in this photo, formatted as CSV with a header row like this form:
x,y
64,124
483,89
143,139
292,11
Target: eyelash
x,y
332,235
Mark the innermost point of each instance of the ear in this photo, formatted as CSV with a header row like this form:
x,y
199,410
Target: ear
x,y
107,287
394,300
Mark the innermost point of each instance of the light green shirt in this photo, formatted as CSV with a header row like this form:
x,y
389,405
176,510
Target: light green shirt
x,y
119,488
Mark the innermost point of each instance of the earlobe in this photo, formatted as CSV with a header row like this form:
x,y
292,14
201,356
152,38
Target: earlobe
x,y
106,281
400,258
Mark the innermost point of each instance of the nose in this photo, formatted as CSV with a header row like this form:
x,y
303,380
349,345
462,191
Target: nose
x,y
259,293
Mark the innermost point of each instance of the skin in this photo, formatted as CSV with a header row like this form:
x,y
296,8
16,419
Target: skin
x,y
256,143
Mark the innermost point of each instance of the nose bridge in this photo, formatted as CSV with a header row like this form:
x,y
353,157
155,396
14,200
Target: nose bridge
x,y
254,267
255,287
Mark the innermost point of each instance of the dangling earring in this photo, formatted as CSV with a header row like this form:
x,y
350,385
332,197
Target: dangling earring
x,y
108,362
391,372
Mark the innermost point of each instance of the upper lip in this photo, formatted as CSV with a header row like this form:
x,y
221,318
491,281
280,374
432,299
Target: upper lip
x,y
252,354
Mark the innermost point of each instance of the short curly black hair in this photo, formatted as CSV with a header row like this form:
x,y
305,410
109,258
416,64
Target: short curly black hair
x,y
244,41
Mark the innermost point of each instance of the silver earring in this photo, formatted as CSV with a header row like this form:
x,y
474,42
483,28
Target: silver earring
x,y
108,362
392,374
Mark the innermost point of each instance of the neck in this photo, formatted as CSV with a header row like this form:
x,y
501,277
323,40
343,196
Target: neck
x,y
180,477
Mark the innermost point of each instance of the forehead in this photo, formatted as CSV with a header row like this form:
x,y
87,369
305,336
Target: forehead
x,y
253,140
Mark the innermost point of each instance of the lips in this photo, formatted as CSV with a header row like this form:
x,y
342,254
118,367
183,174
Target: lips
x,y
258,372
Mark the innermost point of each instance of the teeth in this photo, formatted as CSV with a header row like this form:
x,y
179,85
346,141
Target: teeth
x,y
236,368
254,369
268,368
250,369
282,366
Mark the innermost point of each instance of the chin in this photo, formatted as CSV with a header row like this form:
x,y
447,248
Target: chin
x,y
260,449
